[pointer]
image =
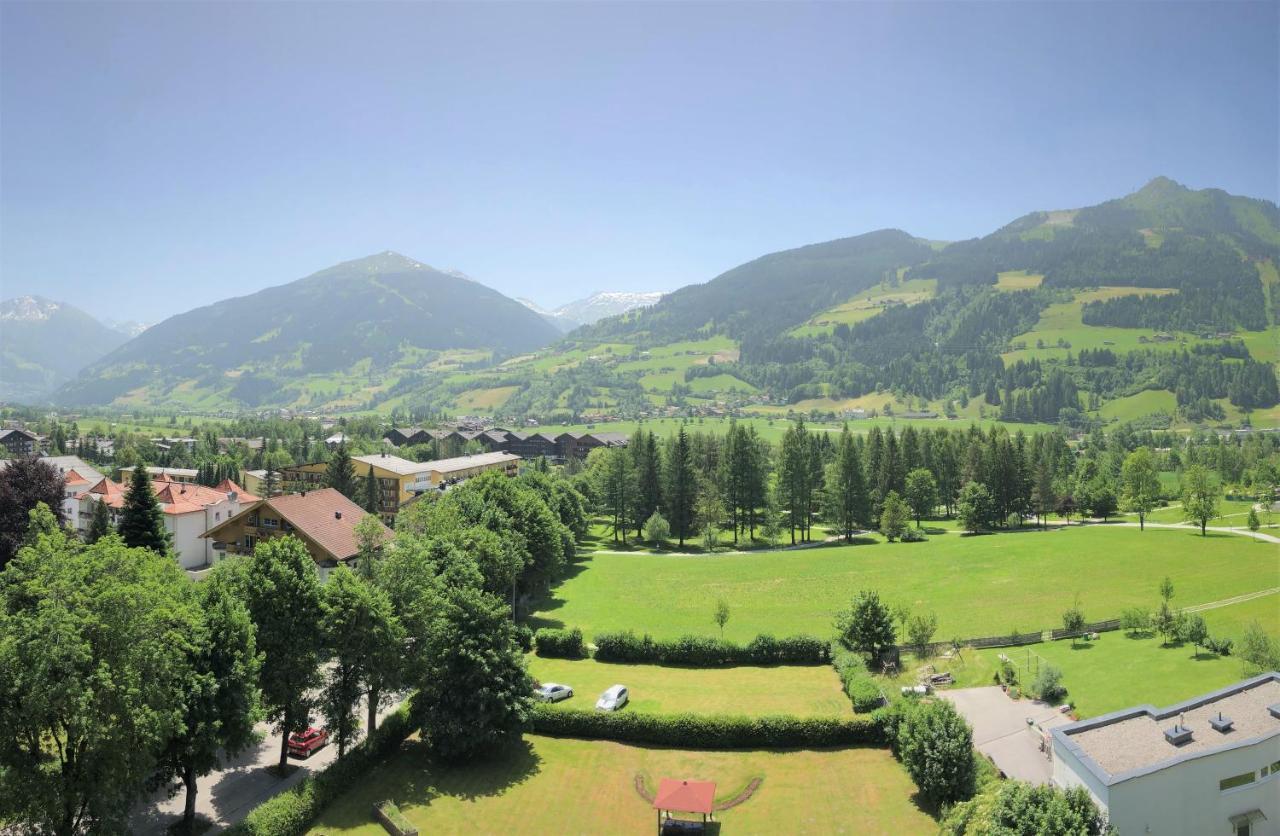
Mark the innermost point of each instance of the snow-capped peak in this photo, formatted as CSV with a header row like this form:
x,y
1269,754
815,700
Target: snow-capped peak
x,y
27,309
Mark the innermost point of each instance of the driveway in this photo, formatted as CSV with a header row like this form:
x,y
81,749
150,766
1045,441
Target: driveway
x,y
227,795
1001,730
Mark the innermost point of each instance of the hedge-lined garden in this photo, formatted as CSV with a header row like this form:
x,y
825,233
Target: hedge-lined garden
x,y
703,651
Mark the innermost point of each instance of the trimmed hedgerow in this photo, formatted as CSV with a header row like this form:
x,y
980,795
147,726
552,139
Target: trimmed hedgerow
x,y
857,682
291,812
707,731
560,644
708,652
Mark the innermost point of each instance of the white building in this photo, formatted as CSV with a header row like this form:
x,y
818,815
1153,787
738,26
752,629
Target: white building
x,y
77,476
189,511
1210,765
173,474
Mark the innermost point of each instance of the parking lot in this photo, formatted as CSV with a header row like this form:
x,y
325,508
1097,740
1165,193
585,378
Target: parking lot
x,y
1009,731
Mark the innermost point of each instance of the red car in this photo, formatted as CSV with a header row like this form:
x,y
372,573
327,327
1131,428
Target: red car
x,y
304,744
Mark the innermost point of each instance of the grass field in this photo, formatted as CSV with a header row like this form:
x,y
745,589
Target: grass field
x,y
976,585
1231,512
804,690
867,304
1147,402
1231,621
1018,280
553,785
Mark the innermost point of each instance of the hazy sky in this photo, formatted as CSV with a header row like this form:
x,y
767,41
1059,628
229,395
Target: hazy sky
x,y
160,156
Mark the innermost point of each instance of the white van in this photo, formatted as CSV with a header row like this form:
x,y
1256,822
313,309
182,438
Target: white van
x,y
613,699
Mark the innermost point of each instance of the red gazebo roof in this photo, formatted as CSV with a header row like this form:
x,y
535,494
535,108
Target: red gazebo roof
x,y
685,796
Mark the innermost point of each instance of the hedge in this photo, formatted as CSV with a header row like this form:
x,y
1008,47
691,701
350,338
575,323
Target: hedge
x,y
560,644
857,682
291,812
706,652
707,731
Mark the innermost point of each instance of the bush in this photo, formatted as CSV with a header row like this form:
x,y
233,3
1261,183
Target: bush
x,y
291,812
560,644
706,651
1048,685
707,731
935,744
524,638
1135,620
856,681
913,535
1222,647
1007,674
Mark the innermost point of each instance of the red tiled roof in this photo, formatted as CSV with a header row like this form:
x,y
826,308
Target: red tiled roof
x,y
324,516
245,497
74,478
685,796
174,497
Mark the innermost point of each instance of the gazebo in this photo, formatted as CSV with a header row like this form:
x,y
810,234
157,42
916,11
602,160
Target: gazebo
x,y
675,795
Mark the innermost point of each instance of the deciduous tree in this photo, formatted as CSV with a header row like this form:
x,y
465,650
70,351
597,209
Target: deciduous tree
x,y
1199,497
25,482
1140,484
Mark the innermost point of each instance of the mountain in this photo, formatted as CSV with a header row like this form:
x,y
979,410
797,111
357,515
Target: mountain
x,y
44,343
342,335
130,328
595,307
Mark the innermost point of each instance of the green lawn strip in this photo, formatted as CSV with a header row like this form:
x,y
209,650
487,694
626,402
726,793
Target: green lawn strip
x,y
1231,512
553,785
1231,621
977,586
801,690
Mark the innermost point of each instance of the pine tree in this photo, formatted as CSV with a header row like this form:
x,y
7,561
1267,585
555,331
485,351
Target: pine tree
x,y
372,495
341,473
142,521
100,525
847,503
682,488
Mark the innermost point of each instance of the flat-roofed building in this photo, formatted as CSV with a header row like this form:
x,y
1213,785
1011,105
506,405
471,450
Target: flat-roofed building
x,y
448,471
1209,765
172,474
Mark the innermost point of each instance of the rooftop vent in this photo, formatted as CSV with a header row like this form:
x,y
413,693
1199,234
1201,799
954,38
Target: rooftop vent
x,y
337,515
1220,723
1178,735
1275,710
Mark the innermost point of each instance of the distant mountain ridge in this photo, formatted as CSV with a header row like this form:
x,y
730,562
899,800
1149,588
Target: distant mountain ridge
x,y
371,313
593,308
44,343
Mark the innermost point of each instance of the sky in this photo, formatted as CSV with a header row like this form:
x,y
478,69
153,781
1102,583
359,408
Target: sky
x,y
160,156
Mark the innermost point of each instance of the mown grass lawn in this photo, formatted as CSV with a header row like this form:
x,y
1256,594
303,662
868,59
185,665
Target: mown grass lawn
x,y
1232,621
803,690
551,786
1231,512
976,585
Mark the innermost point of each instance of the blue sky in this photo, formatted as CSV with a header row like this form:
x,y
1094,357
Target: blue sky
x,y
160,156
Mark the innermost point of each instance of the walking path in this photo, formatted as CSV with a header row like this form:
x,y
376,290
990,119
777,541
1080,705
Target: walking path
x,y
1257,535
1226,602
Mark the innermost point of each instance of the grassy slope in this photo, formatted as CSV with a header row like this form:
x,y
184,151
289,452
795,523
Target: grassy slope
x,y
796,689
1063,321
550,785
976,585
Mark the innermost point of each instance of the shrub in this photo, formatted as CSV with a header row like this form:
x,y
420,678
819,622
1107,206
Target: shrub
x,y
1018,807
560,644
291,812
1048,685
707,651
656,528
1222,647
707,731
856,681
1007,674
1135,620
935,744
524,638
913,535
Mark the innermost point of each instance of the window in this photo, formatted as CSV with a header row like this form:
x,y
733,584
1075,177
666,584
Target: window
x,y
1270,769
1236,781
269,522
1242,829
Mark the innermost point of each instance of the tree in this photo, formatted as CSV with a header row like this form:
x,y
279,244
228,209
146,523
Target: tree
x,y
936,747
648,476
1009,807
1066,506
371,536
974,507
682,487
919,631
1199,497
95,642
282,590
1043,496
1259,651
847,503
473,690
721,615
24,483
867,626
222,699
617,475
893,516
1254,523
362,637
921,493
141,519
341,472
1194,630
372,494
99,524
1135,620
1073,620
1140,484
656,529
710,510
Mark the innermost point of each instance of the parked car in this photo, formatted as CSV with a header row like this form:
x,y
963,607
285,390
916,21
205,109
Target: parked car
x,y
552,692
304,744
613,699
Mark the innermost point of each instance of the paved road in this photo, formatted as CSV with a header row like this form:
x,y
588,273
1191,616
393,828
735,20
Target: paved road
x,y
229,794
1001,730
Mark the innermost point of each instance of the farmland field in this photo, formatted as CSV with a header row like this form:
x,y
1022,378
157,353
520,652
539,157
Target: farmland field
x,y
803,690
555,785
976,585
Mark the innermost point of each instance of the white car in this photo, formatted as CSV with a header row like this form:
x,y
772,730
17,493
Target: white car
x,y
552,692
613,699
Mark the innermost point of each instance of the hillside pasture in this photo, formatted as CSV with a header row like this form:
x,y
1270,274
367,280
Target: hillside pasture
x,y
867,304
558,785
1018,280
977,586
1132,407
